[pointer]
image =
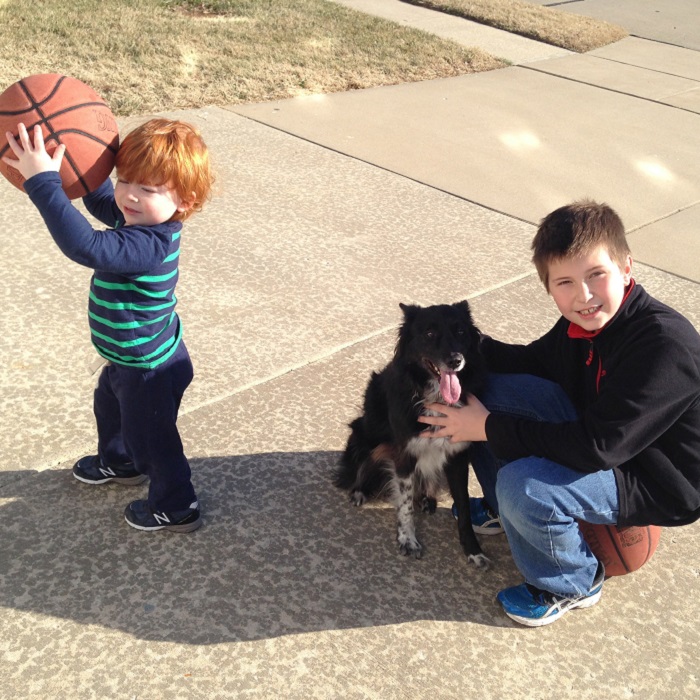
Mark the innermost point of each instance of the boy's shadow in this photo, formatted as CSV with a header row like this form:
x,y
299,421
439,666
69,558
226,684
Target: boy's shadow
x,y
281,552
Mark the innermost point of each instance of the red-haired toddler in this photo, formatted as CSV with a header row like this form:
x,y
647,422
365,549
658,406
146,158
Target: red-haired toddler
x,y
163,176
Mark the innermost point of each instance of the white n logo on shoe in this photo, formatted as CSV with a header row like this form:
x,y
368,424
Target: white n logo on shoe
x,y
106,471
161,518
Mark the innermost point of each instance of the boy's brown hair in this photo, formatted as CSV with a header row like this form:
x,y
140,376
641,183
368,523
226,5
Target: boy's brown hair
x,y
576,229
171,153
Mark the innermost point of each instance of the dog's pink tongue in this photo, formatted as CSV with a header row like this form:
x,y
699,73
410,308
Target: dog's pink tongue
x,y
449,387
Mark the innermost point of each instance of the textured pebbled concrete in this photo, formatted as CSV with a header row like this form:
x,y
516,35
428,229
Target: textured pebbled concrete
x,y
289,293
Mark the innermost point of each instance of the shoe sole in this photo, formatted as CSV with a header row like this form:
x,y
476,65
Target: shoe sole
x,y
484,530
479,530
587,602
181,528
124,480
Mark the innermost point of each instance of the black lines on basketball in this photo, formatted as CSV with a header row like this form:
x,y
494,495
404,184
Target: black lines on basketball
x,y
69,113
34,104
615,546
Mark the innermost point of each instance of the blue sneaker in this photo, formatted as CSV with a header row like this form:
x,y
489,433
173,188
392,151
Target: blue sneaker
x,y
139,515
484,520
91,470
534,607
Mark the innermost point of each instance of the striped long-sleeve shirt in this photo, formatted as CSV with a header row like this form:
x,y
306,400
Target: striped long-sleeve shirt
x,y
131,308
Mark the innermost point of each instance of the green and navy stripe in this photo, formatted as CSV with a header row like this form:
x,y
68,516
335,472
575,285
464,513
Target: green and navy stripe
x,y
133,320
131,307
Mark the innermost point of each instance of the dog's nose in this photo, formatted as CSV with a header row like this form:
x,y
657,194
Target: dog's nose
x,y
456,361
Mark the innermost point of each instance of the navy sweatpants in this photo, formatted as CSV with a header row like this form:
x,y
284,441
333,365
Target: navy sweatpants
x,y
136,412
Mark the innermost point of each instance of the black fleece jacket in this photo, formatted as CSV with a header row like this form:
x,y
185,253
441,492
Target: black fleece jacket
x,y
636,386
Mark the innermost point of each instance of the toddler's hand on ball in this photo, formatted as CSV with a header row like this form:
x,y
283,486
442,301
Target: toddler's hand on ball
x,y
32,159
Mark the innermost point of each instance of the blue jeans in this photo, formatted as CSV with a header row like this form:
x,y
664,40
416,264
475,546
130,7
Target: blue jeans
x,y
540,501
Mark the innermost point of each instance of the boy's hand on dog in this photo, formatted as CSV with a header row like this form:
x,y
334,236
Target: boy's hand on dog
x,y
463,424
32,158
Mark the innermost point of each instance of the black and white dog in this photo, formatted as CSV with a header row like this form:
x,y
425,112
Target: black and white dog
x,y
437,359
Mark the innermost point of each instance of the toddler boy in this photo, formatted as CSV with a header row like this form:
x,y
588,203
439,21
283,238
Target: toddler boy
x,y
163,176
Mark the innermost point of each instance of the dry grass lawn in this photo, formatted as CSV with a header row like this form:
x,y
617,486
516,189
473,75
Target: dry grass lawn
x,y
144,56
147,56
546,24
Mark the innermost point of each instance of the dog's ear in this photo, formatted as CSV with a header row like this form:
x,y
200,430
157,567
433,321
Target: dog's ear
x,y
463,307
409,311
474,332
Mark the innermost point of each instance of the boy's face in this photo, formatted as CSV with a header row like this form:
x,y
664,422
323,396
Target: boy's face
x,y
146,205
588,290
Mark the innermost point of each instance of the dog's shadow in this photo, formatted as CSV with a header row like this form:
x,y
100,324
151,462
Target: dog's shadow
x,y
282,552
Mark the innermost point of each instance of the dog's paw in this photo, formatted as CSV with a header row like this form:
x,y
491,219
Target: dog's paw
x,y
410,547
357,498
481,561
428,505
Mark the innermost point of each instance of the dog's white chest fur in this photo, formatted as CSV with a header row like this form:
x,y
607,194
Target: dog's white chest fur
x,y
432,453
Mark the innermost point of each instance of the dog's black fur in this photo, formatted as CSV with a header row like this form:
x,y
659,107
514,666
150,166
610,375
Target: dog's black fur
x,y
384,452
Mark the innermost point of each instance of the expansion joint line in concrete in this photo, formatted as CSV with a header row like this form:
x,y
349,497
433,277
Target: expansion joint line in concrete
x,y
387,170
661,218
335,350
535,69
287,370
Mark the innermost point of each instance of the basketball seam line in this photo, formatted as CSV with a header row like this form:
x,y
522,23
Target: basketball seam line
x,y
37,107
60,132
617,549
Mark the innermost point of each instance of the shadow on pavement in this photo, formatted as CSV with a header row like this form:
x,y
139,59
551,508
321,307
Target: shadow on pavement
x,y
282,552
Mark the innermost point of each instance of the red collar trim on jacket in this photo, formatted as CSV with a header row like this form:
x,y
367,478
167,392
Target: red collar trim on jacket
x,y
575,331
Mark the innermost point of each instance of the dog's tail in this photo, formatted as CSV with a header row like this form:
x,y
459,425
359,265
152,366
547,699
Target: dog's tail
x,y
355,455
362,466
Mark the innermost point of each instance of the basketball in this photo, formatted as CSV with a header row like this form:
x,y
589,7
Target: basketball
x,y
621,549
69,113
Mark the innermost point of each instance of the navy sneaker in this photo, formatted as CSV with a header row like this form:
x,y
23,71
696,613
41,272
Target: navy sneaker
x,y
484,520
534,607
91,470
139,515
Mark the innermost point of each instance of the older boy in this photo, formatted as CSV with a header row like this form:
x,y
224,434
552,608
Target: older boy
x,y
597,420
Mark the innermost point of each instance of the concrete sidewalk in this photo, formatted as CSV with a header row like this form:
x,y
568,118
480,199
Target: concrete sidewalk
x,y
329,212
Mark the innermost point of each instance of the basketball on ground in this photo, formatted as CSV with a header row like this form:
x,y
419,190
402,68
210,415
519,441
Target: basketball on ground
x,y
621,549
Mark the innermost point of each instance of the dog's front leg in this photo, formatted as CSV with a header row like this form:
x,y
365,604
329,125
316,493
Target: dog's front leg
x,y
402,497
457,472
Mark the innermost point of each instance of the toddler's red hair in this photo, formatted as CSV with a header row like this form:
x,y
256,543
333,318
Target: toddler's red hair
x,y
172,153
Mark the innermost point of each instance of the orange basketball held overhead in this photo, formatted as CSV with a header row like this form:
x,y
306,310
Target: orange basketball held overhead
x,y
69,112
621,549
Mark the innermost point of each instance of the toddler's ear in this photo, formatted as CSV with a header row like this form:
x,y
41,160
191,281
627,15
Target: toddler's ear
x,y
187,204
